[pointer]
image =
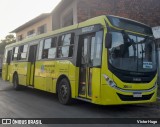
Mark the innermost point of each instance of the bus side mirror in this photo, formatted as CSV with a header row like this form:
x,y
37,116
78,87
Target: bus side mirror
x,y
108,40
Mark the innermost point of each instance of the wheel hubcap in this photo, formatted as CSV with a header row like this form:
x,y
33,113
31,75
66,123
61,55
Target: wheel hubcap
x,y
15,82
63,91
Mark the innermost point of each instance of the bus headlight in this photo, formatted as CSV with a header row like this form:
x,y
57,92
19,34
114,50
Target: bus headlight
x,y
109,81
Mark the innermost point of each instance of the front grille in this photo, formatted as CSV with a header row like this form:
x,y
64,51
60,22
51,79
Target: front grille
x,y
131,98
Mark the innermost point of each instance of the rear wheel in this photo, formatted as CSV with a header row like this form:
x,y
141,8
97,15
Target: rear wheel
x,y
64,92
16,85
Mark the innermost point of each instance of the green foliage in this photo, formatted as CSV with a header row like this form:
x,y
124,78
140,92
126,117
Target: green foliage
x,y
9,39
2,47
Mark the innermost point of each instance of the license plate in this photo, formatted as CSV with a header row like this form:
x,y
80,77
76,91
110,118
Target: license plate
x,y
137,94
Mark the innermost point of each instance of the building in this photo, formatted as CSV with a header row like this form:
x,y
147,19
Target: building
x,y
70,12
36,26
74,11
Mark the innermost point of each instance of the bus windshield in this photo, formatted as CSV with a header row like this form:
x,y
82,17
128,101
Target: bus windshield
x,y
137,55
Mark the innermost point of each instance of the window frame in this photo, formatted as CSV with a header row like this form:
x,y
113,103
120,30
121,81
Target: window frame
x,y
15,58
39,29
20,53
43,48
71,45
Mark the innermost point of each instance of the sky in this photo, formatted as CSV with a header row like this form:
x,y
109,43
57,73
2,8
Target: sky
x,y
14,13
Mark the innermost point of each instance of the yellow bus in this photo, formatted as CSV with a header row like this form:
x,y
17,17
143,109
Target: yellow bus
x,y
106,60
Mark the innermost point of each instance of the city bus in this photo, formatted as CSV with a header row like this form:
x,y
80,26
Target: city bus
x,y
106,60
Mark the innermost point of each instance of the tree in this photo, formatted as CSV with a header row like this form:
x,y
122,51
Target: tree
x,y
9,39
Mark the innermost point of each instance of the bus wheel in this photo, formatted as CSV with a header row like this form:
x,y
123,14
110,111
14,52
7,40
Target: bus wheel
x,y
64,92
16,82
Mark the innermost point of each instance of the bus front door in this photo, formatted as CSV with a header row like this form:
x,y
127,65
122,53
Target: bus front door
x,y
7,67
85,71
32,60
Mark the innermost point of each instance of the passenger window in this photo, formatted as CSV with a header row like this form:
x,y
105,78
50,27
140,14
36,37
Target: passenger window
x,y
97,48
16,49
22,54
40,50
5,56
15,54
93,44
49,50
8,56
65,46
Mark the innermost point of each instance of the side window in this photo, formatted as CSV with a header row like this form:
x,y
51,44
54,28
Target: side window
x,y
97,48
9,57
49,48
15,53
93,43
5,56
22,55
19,53
40,49
65,46
52,50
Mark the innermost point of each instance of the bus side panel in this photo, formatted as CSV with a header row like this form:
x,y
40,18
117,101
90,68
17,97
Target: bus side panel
x,y
61,68
96,84
4,71
50,76
45,76
28,73
11,73
39,83
73,77
22,73
39,77
14,69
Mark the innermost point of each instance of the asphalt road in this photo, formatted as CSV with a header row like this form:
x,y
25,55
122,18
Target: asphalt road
x,y
31,103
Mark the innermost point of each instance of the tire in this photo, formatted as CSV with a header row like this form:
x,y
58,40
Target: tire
x,y
16,85
64,92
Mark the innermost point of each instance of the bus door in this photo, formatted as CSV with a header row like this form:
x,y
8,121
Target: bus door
x,y
85,71
7,67
32,60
